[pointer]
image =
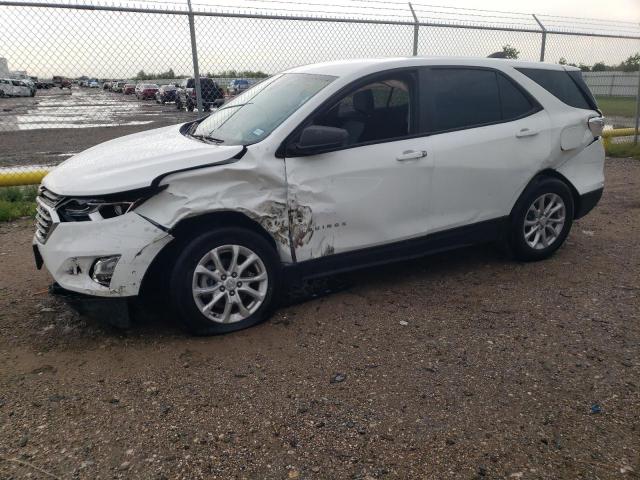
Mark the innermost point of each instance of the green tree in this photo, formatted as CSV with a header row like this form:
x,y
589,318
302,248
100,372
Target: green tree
x,y
631,64
510,52
599,67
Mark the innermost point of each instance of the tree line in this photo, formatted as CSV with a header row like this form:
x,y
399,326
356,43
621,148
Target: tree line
x,y
142,75
631,64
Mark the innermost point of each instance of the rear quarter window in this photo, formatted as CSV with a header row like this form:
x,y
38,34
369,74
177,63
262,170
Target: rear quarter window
x,y
562,86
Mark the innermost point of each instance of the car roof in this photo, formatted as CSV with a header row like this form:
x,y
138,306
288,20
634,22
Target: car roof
x,y
342,68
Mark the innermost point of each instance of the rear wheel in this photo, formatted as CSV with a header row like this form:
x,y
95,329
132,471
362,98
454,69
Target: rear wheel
x,y
224,281
541,219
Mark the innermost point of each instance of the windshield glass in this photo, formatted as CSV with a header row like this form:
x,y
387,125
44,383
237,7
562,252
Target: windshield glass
x,y
254,114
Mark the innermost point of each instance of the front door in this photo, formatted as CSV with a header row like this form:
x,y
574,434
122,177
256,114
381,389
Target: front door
x,y
373,190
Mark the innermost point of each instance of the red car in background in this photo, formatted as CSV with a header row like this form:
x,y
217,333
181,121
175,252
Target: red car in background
x,y
147,91
129,89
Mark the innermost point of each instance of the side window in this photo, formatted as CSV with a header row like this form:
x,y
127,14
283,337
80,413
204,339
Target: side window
x,y
514,103
462,98
378,111
560,84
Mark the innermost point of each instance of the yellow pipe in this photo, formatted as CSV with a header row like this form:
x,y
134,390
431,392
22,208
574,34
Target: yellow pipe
x,y
12,177
619,132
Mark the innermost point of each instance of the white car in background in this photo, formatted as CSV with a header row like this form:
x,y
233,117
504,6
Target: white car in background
x,y
322,169
94,84
11,87
6,87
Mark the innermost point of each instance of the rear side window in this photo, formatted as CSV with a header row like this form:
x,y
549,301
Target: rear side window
x,y
462,98
560,84
515,103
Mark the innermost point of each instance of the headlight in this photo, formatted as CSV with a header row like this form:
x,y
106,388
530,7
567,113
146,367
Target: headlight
x,y
78,210
108,206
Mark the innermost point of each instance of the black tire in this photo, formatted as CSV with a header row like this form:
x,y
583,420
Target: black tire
x,y
178,104
539,187
190,107
181,279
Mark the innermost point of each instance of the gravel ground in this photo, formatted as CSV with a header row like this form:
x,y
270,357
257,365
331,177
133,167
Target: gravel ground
x,y
461,365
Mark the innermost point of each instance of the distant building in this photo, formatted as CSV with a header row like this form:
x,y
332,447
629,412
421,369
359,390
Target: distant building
x,y
4,67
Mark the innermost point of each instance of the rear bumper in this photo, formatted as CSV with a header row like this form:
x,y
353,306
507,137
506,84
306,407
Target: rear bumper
x,y
587,202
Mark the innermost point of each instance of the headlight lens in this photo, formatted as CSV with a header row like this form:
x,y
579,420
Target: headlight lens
x,y
82,209
79,210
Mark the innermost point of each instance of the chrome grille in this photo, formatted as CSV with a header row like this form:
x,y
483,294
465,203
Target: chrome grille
x,y
44,221
48,197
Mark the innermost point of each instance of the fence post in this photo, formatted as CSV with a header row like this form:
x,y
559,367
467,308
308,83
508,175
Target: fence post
x,y
544,37
635,135
194,55
416,28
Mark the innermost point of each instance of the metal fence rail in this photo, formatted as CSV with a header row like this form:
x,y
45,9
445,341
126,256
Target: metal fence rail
x,y
162,42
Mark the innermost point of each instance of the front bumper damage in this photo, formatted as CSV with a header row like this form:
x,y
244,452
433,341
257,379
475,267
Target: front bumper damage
x,y
72,248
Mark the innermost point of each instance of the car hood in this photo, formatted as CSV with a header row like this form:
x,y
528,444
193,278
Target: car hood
x,y
134,161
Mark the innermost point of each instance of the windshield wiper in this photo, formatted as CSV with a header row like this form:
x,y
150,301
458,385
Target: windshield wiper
x,y
233,106
207,138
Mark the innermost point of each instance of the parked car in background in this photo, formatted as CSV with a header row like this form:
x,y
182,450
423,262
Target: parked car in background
x,y
118,87
44,84
94,84
20,88
166,93
237,86
106,85
6,87
212,94
129,89
421,155
65,83
147,91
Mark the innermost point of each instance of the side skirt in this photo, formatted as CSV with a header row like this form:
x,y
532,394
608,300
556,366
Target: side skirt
x,y
481,232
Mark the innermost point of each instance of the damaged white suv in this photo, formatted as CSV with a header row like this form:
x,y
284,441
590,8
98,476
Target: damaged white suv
x,y
322,169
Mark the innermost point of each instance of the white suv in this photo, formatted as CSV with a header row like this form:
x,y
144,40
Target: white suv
x,y
322,169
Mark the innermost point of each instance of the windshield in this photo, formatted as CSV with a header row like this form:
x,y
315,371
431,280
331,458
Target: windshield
x,y
254,114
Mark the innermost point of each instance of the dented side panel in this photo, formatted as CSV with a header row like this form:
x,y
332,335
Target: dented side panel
x,y
254,185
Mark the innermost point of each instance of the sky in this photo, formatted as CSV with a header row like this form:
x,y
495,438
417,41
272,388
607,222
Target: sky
x,y
102,44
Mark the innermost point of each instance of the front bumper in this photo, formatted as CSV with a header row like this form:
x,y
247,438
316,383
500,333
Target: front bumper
x,y
71,248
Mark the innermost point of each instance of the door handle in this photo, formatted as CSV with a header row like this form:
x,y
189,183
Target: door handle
x,y
411,155
527,132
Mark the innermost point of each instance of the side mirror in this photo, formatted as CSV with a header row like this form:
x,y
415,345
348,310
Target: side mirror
x,y
318,138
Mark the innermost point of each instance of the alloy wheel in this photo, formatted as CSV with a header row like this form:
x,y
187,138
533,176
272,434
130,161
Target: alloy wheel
x,y
544,221
229,283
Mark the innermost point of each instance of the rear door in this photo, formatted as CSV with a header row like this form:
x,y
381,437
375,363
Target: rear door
x,y
488,136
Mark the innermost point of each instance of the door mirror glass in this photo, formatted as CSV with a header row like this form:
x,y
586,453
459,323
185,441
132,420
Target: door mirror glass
x,y
320,138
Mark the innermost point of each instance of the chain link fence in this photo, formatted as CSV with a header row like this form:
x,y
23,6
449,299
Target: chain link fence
x,y
75,74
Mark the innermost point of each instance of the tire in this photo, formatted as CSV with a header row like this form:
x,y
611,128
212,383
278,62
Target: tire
x,y
221,319
544,232
178,104
190,107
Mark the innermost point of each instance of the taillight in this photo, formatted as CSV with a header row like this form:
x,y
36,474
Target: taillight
x,y
596,125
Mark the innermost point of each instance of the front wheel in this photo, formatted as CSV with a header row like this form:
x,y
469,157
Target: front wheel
x,y
225,280
541,219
